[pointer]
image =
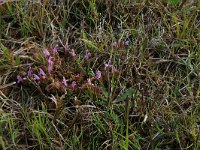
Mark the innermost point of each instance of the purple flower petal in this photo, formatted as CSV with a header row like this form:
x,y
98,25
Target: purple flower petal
x,y
87,55
72,53
46,53
41,73
64,81
73,85
1,2
98,74
55,50
90,82
127,42
115,44
36,77
50,64
19,79
30,72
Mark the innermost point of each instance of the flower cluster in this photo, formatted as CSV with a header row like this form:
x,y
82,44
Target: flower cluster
x,y
73,53
53,79
39,74
117,44
19,79
108,67
87,55
70,51
98,74
92,83
50,58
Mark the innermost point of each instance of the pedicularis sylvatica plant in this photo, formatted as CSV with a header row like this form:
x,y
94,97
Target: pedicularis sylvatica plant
x,y
49,75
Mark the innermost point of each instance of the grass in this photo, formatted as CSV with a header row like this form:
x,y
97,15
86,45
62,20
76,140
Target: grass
x,y
100,75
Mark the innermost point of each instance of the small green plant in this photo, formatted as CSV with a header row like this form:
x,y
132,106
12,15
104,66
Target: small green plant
x,y
174,2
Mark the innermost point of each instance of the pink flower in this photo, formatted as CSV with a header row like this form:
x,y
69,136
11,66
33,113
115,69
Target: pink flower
x,y
115,44
36,77
73,85
50,64
19,79
41,73
55,50
64,81
46,53
109,67
127,43
87,55
72,53
90,82
1,2
30,72
98,74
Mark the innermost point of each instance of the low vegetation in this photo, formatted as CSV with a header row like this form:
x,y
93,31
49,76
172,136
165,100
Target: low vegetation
x,y
97,74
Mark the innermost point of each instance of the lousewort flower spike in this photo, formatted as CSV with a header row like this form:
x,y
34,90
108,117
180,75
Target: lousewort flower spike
x,y
98,74
30,72
87,55
50,65
41,73
73,85
46,53
55,50
127,43
19,79
115,44
36,77
90,82
64,81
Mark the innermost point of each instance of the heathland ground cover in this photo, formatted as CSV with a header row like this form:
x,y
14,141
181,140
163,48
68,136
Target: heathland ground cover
x,y
97,74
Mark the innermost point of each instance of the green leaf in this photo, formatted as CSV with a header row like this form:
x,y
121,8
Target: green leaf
x,y
17,59
126,94
6,53
174,2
